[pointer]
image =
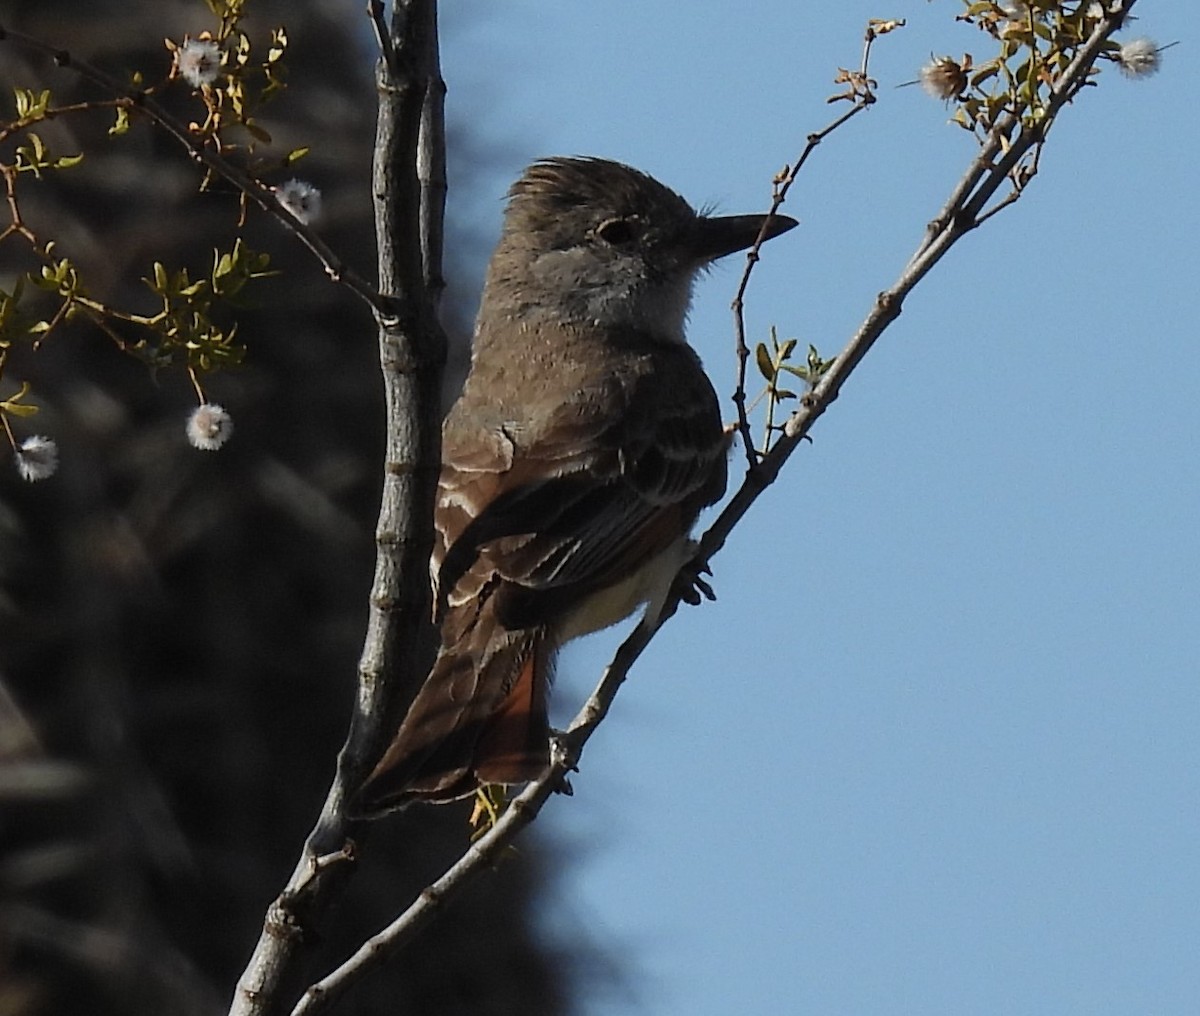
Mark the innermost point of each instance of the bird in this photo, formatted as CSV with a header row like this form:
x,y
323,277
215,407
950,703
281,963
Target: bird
x,y
585,442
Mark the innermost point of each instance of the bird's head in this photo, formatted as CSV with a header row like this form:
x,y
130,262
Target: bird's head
x,y
598,242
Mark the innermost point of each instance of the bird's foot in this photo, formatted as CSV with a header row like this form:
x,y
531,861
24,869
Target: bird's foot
x,y
690,585
560,755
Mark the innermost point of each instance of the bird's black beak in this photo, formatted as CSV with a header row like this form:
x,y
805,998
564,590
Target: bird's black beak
x,y
725,234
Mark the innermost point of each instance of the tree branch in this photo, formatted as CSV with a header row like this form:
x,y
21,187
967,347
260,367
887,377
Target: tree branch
x,y
398,645
431,171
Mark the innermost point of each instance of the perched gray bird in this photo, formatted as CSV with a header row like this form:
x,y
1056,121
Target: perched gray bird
x,y
585,442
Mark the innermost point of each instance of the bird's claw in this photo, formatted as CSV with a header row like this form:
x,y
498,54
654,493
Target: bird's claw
x,y
690,584
560,755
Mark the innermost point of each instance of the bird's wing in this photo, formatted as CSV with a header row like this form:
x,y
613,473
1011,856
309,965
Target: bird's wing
x,y
586,500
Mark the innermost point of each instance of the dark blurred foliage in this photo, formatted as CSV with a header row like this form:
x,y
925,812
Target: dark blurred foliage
x,y
179,629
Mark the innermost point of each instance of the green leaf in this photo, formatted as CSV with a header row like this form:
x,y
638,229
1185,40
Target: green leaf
x,y
763,359
122,124
983,74
241,48
14,405
30,104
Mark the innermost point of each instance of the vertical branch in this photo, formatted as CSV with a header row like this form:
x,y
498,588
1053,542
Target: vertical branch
x,y
398,642
412,350
431,167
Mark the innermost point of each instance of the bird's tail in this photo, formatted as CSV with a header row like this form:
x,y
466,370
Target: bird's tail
x,y
479,718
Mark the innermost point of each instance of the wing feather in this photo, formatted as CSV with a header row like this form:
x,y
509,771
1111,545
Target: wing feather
x,y
578,506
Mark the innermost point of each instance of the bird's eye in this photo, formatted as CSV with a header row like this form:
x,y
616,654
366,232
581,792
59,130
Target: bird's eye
x,y
618,231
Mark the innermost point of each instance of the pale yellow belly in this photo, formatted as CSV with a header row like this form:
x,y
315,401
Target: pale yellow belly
x,y
650,585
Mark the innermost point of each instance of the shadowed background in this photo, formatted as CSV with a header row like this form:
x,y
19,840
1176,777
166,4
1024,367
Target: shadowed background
x,y
179,630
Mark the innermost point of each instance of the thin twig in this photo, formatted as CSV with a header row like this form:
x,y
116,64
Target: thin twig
x,y
383,37
15,126
862,96
1010,198
140,102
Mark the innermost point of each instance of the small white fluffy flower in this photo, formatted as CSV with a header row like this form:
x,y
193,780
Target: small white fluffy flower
x,y
1139,58
198,61
302,199
209,427
37,458
943,78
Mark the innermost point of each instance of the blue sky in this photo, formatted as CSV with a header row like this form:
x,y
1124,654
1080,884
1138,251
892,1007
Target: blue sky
x,y
934,749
